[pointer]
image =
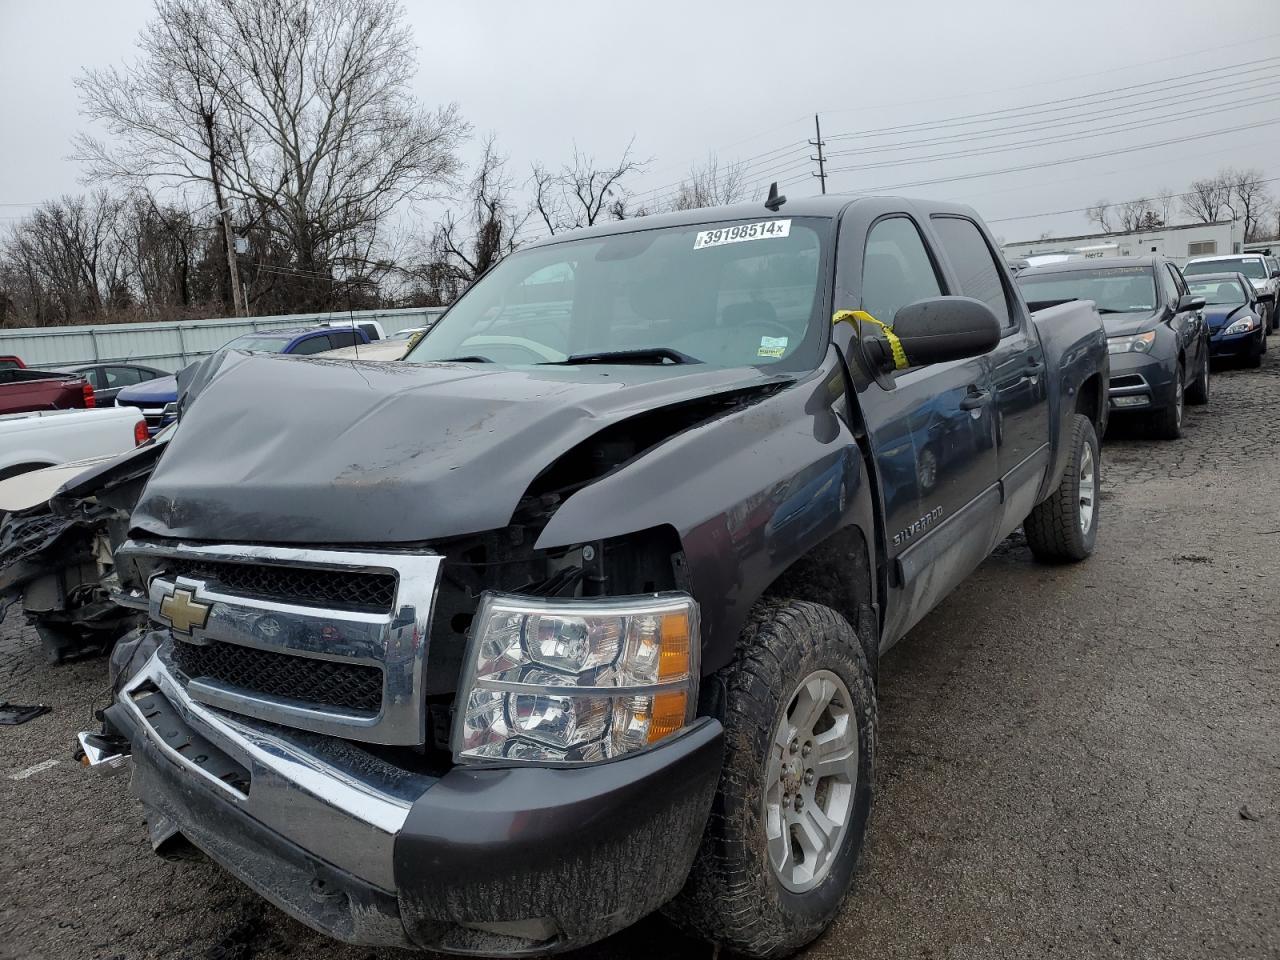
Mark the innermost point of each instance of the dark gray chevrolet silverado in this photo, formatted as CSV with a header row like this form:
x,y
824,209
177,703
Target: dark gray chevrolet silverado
x,y
576,612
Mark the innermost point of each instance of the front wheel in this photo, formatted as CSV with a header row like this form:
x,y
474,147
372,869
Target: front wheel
x,y
789,816
1064,527
1253,359
1198,393
1167,424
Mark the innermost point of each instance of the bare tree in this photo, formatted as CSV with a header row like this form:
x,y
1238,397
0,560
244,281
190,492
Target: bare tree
x,y
1100,213
299,111
1207,199
581,192
1138,215
1249,196
471,243
1165,197
709,186
66,261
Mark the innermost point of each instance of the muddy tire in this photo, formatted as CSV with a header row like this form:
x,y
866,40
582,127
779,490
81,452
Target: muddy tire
x,y
784,837
1064,527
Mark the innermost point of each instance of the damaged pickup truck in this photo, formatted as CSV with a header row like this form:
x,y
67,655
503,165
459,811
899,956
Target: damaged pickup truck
x,y
575,613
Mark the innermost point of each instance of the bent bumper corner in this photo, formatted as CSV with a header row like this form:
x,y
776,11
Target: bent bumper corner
x,y
515,861
534,860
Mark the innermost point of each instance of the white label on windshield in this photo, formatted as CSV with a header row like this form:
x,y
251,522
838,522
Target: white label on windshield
x,y
740,232
772,347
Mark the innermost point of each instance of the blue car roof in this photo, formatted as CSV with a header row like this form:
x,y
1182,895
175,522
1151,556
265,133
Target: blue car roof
x,y
161,389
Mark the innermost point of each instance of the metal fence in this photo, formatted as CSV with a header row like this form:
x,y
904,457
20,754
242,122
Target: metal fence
x,y
172,345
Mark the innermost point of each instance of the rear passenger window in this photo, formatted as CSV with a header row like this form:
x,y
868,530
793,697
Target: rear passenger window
x,y
896,269
313,345
343,338
975,265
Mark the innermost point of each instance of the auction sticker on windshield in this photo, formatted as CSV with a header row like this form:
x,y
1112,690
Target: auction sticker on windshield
x,y
739,232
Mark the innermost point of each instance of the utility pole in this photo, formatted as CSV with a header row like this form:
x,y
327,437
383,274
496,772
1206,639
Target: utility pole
x,y
225,210
819,143
233,265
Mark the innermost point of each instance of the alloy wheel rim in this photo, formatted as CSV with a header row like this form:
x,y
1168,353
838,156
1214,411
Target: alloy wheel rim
x,y
1088,489
810,781
1178,398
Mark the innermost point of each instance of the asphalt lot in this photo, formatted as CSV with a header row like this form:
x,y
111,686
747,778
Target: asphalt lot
x,y
1074,762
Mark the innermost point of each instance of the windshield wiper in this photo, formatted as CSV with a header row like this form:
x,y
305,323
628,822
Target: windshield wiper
x,y
655,355
473,358
1113,310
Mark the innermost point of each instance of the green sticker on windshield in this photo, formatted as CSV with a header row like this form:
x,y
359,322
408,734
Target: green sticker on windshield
x,y
772,347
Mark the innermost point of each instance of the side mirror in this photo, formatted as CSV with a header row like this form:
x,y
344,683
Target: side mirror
x,y
937,330
1275,274
1267,297
1189,301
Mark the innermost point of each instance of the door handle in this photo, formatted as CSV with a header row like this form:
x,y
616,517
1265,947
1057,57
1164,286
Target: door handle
x,y
975,399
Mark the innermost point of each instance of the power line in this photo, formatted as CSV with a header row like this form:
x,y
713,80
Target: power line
x,y
1066,160
1067,138
1165,83
1075,120
1153,200
1074,78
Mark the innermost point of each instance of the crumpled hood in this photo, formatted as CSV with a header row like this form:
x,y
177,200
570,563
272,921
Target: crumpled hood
x,y
1220,315
1129,324
281,449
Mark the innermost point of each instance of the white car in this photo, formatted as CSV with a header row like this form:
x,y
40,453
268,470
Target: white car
x,y
1255,266
29,441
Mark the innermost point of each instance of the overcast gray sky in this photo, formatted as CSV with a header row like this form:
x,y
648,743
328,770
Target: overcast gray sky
x,y
744,79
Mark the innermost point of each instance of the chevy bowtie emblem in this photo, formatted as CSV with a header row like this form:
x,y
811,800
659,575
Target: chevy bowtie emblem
x,y
182,611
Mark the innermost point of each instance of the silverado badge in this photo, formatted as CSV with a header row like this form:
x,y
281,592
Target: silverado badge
x,y
182,611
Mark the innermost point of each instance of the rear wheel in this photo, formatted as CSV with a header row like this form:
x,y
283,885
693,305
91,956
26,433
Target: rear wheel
x,y
1064,527
789,816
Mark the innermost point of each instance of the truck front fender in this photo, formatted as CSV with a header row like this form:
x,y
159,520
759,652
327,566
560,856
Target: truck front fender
x,y
748,494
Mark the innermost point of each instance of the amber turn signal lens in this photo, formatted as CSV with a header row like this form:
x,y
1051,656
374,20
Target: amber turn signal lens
x,y
673,659
668,714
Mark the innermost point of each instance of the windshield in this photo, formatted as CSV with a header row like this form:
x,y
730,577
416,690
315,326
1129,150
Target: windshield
x,y
1251,267
1113,289
725,294
256,344
1219,291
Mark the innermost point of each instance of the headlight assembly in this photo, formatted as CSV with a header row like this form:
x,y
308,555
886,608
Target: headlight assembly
x,y
574,681
1141,343
1243,325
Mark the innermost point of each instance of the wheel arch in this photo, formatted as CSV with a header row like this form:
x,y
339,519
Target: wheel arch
x,y
837,573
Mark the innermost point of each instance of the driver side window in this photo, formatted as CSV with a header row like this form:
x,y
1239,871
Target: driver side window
x,y
896,269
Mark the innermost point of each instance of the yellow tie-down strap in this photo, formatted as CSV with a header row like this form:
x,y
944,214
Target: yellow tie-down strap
x,y
861,316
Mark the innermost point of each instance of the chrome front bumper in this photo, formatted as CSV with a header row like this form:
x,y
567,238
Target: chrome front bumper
x,y
347,804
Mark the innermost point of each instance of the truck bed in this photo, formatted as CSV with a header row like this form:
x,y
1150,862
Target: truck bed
x,y
23,391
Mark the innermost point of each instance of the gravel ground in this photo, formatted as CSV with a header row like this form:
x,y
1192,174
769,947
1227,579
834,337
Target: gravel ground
x,y
1074,762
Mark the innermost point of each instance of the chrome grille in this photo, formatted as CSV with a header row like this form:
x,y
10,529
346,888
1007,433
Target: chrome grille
x,y
349,686
338,589
330,641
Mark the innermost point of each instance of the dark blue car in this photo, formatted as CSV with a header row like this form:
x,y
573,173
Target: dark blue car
x,y
1236,317
154,396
